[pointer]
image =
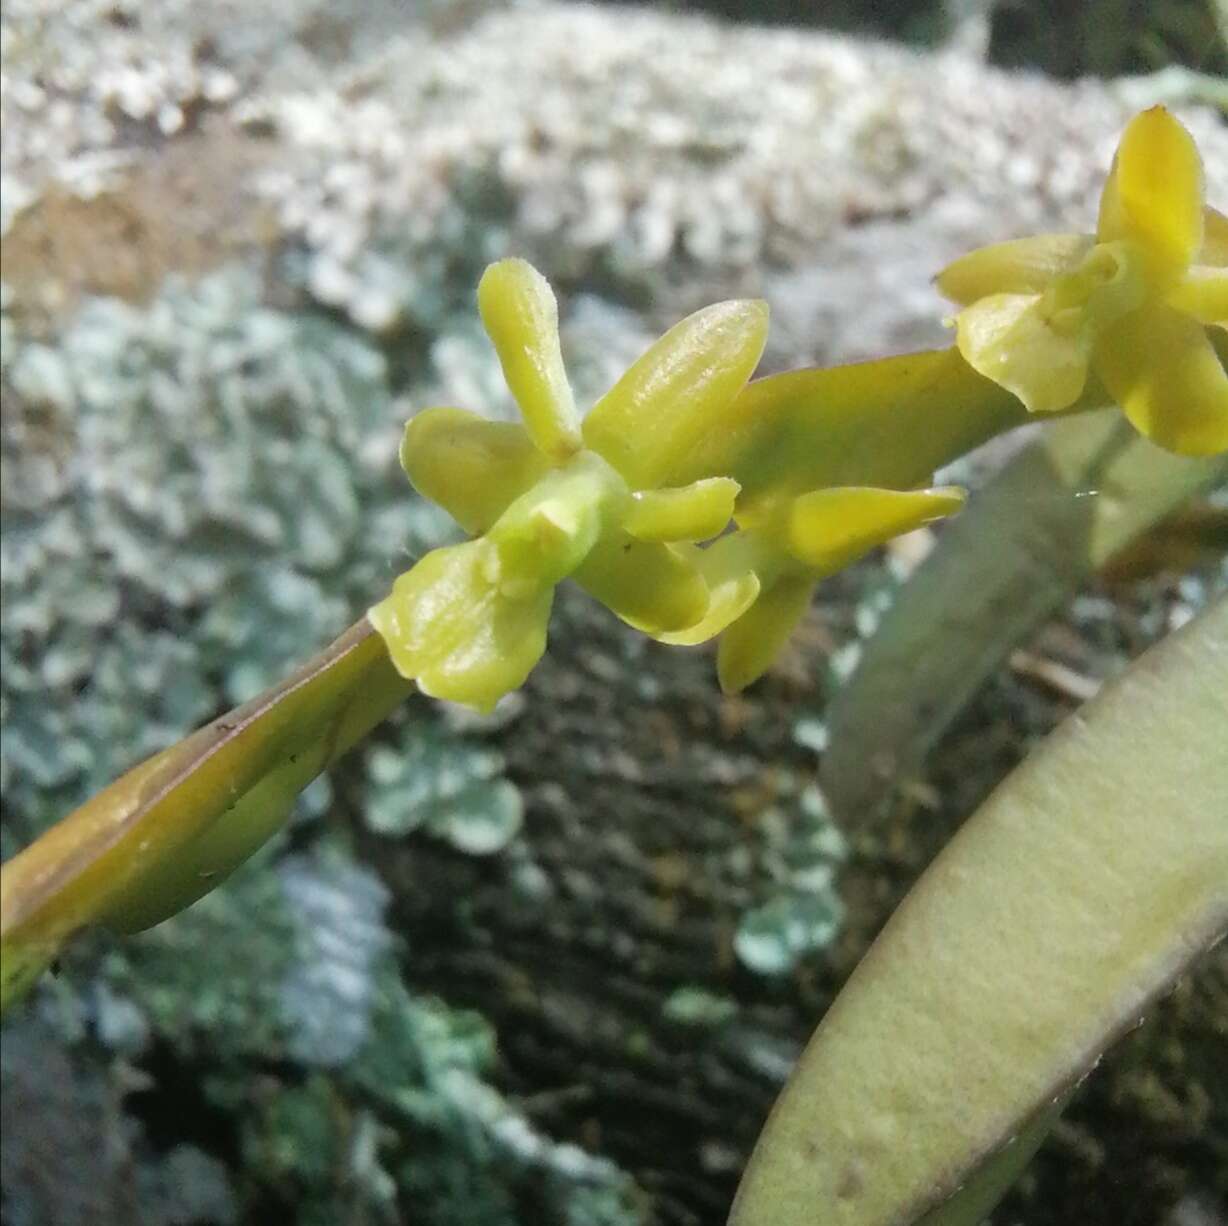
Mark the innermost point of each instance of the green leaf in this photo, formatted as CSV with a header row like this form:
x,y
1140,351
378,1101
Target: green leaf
x,y
1053,517
1093,877
975,1198
173,827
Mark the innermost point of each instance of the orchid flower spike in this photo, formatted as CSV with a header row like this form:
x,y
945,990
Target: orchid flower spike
x,y
593,500
1138,304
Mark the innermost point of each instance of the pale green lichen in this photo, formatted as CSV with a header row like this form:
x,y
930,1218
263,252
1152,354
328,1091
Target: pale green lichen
x,y
184,518
371,1096
802,850
696,1006
429,780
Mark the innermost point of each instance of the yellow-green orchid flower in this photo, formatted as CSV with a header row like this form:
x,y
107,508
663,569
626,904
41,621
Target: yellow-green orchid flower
x,y
553,498
1132,303
763,575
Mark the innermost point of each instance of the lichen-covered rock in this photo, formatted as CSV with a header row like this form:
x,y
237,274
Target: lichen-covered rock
x,y
802,913
429,779
641,152
372,1099
196,495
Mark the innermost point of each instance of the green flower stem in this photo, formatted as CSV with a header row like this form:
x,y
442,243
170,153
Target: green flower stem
x,y
891,422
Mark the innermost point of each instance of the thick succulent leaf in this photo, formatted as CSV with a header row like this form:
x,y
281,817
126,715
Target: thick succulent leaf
x,y
1091,878
677,392
983,1189
172,828
1058,512
521,316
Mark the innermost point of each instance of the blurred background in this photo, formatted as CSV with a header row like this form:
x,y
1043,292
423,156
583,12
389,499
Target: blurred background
x,y
549,966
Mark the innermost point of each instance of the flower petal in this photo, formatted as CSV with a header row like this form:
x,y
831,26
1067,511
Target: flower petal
x,y
1021,266
675,393
727,602
653,587
695,512
449,627
730,568
828,528
473,468
1160,366
747,649
1010,339
1203,293
1214,239
1154,192
519,312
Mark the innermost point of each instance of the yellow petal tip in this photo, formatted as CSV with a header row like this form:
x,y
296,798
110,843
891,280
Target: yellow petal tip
x,y
521,317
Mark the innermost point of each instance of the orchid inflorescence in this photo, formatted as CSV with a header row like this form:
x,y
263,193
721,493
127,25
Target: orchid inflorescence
x,y
1132,303
689,539
597,501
